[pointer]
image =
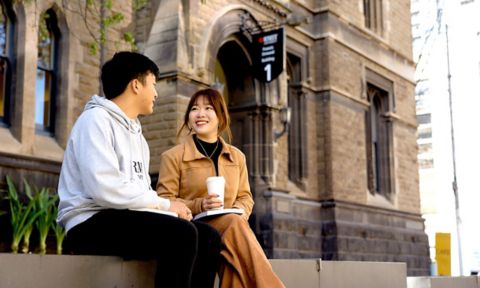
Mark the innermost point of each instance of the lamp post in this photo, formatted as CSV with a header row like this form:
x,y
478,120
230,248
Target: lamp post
x,y
454,183
285,116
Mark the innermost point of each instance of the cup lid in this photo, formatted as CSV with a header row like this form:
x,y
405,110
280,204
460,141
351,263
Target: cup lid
x,y
215,178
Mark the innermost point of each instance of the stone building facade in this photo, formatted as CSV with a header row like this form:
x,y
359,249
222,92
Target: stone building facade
x,y
340,184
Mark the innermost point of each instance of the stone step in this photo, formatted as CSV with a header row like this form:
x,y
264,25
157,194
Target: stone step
x,y
444,282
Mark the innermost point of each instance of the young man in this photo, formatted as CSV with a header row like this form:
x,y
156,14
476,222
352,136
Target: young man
x,y
104,181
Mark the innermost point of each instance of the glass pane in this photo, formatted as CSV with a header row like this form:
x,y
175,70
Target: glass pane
x,y
42,99
3,74
3,30
45,43
366,12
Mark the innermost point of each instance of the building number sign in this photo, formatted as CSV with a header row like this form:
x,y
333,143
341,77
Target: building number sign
x,y
268,55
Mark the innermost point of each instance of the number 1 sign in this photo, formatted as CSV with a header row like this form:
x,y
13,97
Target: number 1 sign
x,y
268,53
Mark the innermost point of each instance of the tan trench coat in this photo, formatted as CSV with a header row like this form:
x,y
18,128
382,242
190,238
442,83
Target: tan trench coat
x,y
184,170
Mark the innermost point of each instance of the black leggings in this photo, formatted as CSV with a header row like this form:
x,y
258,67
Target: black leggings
x,y
187,253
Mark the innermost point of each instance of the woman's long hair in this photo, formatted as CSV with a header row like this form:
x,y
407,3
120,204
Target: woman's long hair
x,y
220,107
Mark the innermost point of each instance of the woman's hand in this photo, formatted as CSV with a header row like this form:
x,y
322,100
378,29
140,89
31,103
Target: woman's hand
x,y
181,209
211,202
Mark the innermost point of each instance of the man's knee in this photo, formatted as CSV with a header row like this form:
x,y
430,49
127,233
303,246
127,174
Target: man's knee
x,y
188,230
208,233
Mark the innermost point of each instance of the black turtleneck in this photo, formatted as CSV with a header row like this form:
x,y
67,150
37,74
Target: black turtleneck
x,y
209,148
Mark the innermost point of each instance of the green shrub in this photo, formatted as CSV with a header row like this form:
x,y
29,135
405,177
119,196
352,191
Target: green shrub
x,y
22,216
40,211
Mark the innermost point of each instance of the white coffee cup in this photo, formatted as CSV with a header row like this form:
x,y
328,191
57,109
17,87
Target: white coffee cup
x,y
216,185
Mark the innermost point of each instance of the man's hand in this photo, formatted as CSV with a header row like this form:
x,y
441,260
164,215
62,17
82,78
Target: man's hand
x,y
211,202
181,209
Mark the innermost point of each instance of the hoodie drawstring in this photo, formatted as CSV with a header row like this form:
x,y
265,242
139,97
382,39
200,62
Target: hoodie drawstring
x,y
139,138
130,128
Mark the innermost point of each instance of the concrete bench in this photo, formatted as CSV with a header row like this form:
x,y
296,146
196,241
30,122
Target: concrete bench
x,y
340,274
51,271
444,282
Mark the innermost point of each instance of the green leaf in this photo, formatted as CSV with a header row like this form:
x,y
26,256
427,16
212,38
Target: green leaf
x,y
139,4
43,32
28,189
93,48
108,4
57,228
130,39
15,205
115,18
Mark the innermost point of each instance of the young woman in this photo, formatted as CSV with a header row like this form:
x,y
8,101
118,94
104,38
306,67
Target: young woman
x,y
183,172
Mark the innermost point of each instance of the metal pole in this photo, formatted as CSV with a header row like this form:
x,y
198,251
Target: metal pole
x,y
454,183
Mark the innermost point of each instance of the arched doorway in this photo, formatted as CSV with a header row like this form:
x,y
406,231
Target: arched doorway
x,y
251,121
233,71
251,104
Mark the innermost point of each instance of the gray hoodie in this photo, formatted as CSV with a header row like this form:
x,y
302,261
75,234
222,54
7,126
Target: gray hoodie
x,y
105,165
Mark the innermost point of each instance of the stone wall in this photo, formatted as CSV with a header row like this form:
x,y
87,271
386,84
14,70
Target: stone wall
x,y
78,74
364,233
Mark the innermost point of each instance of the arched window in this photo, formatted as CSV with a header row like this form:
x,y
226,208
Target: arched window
x,y
297,136
6,56
379,142
47,71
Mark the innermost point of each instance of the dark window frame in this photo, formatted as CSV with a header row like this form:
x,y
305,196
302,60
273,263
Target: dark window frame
x,y
379,136
297,136
8,58
373,15
53,71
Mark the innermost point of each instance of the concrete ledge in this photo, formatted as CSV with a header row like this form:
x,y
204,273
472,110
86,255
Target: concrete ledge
x,y
23,270
353,274
303,273
48,271
444,282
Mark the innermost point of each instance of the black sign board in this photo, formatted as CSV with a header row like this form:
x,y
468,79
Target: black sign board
x,y
268,55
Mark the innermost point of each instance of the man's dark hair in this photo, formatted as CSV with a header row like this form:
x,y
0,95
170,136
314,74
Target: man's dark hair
x,y
123,68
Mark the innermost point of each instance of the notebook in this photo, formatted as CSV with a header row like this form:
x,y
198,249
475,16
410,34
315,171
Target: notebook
x,y
218,212
170,213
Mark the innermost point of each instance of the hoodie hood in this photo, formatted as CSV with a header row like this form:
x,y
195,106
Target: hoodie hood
x,y
133,125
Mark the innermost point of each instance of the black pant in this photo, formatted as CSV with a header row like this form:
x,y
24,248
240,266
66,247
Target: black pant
x,y
187,253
